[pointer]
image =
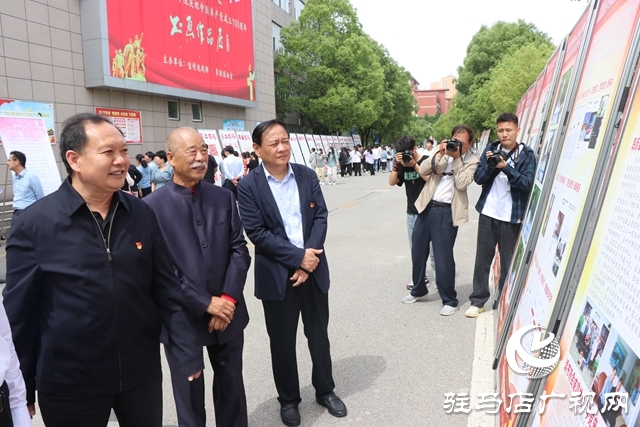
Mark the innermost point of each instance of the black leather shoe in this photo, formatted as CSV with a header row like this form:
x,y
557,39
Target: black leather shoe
x,y
289,414
333,404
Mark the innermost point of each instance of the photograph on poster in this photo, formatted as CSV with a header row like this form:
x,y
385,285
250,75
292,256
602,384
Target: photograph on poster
x,y
589,341
564,85
593,136
548,215
531,209
557,258
544,162
558,228
615,373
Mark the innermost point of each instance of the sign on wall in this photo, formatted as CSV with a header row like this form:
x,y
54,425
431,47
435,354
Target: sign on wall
x,y
194,49
128,121
15,108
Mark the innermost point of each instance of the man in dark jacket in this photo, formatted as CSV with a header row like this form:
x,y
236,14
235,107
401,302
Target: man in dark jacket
x,y
285,216
90,282
201,225
506,171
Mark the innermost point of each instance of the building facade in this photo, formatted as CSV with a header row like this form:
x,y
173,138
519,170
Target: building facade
x,y
51,52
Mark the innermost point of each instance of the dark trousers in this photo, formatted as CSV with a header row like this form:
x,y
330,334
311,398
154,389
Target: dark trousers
x,y
145,191
350,168
435,225
357,169
492,232
229,186
6,419
138,407
371,168
281,318
229,399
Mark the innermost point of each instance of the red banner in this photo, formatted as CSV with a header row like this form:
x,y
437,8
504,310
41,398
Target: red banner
x,y
205,46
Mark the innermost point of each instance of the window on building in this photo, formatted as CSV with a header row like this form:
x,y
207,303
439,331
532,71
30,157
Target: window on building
x,y
284,4
196,112
277,45
298,8
174,109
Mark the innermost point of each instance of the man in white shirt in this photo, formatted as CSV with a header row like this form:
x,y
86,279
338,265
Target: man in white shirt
x,y
506,182
233,169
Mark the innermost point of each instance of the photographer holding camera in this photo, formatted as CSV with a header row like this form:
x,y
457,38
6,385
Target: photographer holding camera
x,y
442,206
405,171
506,173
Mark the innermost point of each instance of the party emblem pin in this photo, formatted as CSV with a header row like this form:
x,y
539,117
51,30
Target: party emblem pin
x,y
312,205
139,245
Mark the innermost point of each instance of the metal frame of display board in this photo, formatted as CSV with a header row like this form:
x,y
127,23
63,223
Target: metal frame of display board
x,y
518,282
594,199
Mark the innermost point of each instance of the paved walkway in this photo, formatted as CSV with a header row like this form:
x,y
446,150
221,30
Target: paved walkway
x,y
393,362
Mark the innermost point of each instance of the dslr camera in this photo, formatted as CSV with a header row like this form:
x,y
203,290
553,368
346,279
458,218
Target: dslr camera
x,y
494,159
454,145
407,155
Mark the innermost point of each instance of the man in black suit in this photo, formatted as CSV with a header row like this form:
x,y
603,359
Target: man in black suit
x,y
285,216
201,225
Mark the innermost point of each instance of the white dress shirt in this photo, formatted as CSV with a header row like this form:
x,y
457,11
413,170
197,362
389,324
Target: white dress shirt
x,y
10,372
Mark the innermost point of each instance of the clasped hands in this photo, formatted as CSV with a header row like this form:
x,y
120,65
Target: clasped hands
x,y
221,311
308,264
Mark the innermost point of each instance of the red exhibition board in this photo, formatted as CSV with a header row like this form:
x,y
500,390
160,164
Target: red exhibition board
x,y
204,46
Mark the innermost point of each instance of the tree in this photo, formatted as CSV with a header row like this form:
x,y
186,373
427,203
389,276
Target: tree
x,y
330,71
502,62
487,48
398,103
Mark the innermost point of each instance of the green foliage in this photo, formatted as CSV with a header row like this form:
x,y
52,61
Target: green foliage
x,y
487,48
502,62
337,76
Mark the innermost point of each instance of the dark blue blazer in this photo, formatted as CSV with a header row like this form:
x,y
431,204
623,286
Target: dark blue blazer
x,y
276,257
204,233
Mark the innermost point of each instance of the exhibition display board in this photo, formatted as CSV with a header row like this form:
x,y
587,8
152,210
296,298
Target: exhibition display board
x,y
581,151
213,144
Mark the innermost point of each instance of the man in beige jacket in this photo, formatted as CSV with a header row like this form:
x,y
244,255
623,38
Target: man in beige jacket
x,y
442,206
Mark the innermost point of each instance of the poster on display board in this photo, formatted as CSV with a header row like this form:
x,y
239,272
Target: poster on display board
x,y
535,102
233,124
43,110
539,115
573,43
346,141
598,85
245,141
296,154
30,136
524,120
304,147
228,137
335,141
325,143
128,121
213,145
317,142
356,139
602,331
201,50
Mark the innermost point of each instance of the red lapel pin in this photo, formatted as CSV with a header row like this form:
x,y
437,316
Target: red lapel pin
x,y
312,205
139,245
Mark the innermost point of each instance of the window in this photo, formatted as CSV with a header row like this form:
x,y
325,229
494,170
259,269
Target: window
x,y
298,8
277,46
174,109
284,4
196,112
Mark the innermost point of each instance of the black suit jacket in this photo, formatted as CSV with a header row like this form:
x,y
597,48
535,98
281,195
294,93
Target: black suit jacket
x,y
276,257
204,233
